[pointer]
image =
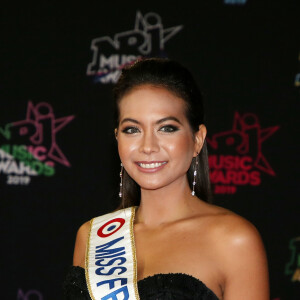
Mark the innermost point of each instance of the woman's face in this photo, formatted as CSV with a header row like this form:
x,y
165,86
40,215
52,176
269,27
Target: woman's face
x,y
155,142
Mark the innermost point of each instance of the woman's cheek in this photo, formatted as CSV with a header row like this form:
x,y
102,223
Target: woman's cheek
x,y
126,148
182,146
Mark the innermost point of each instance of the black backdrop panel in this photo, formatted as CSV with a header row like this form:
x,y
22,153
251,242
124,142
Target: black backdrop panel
x,y
58,160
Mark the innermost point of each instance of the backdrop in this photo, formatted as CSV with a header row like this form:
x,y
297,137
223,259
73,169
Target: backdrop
x,y
58,161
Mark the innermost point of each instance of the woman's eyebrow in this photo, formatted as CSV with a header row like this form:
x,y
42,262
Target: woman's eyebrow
x,y
170,118
129,120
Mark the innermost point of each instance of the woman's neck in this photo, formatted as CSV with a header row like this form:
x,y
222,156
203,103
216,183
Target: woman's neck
x,y
171,203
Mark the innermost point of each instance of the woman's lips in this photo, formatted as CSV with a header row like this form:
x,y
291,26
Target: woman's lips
x,y
150,166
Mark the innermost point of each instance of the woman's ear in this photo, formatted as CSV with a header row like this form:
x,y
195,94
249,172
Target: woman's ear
x,y
199,139
116,133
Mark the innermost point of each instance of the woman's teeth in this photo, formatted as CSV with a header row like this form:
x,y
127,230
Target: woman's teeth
x,y
152,165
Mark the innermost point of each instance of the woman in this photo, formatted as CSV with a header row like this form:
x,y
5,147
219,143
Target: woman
x,y
185,248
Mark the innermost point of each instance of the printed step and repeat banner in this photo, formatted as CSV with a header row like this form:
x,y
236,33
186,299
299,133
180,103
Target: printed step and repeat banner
x,y
58,159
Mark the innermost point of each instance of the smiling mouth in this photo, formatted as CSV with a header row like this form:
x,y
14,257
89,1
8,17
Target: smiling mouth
x,y
152,165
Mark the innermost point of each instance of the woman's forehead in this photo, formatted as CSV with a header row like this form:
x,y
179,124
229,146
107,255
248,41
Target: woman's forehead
x,y
151,100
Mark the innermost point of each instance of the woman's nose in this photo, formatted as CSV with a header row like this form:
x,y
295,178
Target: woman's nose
x,y
149,143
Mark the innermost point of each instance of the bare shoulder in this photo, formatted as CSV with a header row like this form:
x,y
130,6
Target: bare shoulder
x,y
231,231
226,225
80,244
240,255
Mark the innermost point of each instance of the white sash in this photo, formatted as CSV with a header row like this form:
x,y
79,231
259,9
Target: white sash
x,y
110,266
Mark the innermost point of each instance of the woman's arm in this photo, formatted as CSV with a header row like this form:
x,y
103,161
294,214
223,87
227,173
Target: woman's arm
x,y
243,261
80,245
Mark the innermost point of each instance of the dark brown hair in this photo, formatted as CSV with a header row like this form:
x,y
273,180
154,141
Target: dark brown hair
x,y
178,80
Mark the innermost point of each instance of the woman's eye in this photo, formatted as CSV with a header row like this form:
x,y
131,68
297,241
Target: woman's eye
x,y
169,128
130,130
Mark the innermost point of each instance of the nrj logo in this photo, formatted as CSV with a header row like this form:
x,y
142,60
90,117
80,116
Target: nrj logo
x,y
28,147
147,38
292,268
235,2
297,77
236,157
29,295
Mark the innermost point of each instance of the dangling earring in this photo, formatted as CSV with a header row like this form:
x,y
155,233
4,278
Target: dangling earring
x,y
195,173
121,181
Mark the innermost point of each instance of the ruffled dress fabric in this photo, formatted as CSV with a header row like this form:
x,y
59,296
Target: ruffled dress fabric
x,y
173,286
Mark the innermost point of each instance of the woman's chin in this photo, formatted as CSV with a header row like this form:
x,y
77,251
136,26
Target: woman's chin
x,y
151,187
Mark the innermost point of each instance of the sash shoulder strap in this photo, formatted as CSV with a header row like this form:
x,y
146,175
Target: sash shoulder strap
x,y
110,266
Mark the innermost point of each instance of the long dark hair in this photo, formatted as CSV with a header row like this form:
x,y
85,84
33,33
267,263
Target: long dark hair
x,y
177,79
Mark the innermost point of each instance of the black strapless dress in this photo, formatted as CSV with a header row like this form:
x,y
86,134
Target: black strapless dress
x,y
173,286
